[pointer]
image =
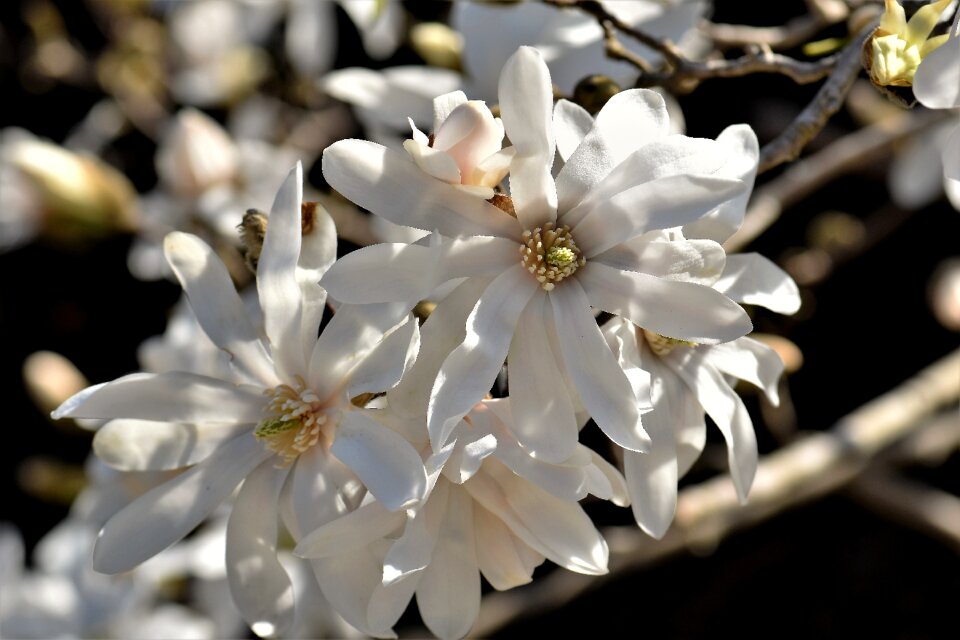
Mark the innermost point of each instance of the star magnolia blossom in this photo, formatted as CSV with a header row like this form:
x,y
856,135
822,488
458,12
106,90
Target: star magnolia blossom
x,y
491,509
556,248
685,380
283,424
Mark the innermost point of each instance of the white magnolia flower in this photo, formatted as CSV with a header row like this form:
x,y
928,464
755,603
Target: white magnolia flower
x,y
557,249
937,86
283,423
492,509
684,380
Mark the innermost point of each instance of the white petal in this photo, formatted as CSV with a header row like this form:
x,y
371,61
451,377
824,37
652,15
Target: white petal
x,y
388,602
749,360
449,591
347,581
602,385
391,186
543,416
433,162
165,514
382,368
628,121
699,261
660,204
951,155
386,463
469,371
914,178
937,80
318,251
413,550
526,106
444,105
681,310
349,532
468,136
259,584
753,279
313,494
612,487
726,408
310,38
216,304
276,277
140,445
167,397
497,555
571,124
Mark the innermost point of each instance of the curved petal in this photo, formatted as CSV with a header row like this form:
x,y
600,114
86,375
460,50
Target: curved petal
x,y
681,310
449,591
937,80
497,556
726,408
749,360
433,162
571,124
386,463
751,278
391,186
259,584
167,397
628,121
216,304
313,495
660,204
351,531
543,416
141,445
699,261
165,514
413,550
318,251
526,107
469,371
600,382
347,581
383,367
606,482
444,105
276,277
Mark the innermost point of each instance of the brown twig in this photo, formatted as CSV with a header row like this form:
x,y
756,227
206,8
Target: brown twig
x,y
795,32
809,468
788,145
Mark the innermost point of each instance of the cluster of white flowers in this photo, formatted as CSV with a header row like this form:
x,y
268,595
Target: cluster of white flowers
x,y
376,442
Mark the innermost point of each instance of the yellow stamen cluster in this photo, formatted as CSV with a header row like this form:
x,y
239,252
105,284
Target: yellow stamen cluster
x,y
550,254
662,345
296,421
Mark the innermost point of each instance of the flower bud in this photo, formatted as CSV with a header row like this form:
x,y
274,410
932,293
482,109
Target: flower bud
x,y
894,51
196,154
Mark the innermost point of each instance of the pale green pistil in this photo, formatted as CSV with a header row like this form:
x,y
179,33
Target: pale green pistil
x,y
275,426
560,257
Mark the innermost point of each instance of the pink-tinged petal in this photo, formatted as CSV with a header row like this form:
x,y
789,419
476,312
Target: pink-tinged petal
x,y
749,360
751,278
408,273
444,105
350,532
726,408
937,80
470,370
383,367
699,261
165,514
259,584
443,331
351,334
600,382
743,152
571,124
660,204
469,135
449,591
276,277
433,162
681,310
497,556
526,106
141,445
217,306
167,397
628,121
386,463
393,187
543,416
413,550
318,251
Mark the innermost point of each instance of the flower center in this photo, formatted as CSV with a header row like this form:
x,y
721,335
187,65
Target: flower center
x,y
550,254
298,421
662,345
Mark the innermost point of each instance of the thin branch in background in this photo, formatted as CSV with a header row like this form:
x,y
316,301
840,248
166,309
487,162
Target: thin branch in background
x,y
809,468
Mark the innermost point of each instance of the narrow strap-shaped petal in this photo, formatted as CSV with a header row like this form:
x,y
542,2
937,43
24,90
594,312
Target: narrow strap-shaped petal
x,y
216,305
681,310
165,514
497,555
526,106
142,445
600,382
749,360
352,531
383,367
751,278
318,251
386,463
571,124
277,280
393,187
412,551
700,261
259,584
167,397
469,371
